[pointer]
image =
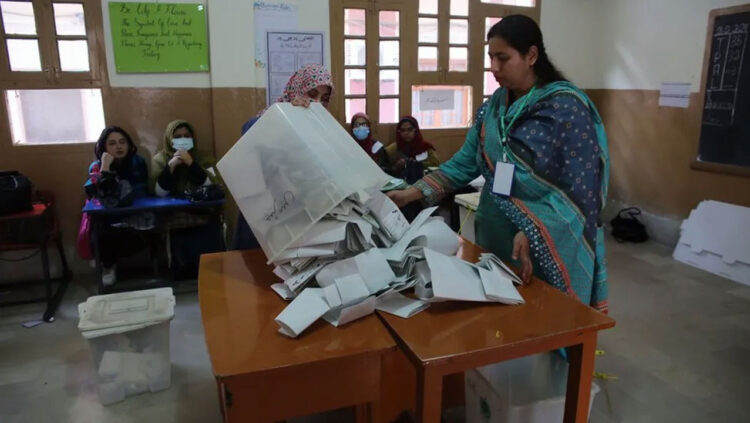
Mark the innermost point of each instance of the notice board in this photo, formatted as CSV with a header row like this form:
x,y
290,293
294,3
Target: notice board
x,y
159,37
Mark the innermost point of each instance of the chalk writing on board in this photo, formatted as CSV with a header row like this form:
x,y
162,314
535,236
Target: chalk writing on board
x,y
159,37
725,67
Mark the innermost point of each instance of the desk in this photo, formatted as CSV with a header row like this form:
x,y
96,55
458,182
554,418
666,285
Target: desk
x,y
264,376
452,337
157,205
36,228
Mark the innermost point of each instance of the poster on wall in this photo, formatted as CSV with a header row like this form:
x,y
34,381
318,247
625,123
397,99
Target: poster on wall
x,y
159,37
271,17
287,52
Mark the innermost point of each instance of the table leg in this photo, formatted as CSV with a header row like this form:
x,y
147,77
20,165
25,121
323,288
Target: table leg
x,y
429,395
363,413
95,232
580,372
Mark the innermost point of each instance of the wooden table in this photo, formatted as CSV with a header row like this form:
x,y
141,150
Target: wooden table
x,y
265,376
452,337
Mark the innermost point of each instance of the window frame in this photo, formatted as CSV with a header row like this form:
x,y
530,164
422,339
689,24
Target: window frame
x,y
449,139
51,76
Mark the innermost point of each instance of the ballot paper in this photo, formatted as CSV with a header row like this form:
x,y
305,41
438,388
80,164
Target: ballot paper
x,y
391,220
484,257
296,282
351,313
371,265
352,289
399,305
306,308
396,251
455,279
497,287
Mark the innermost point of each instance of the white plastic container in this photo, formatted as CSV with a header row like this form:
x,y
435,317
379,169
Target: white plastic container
x,y
291,168
714,238
128,334
526,390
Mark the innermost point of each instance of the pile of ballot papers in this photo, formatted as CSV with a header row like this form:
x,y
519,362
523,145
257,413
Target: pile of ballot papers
x,y
314,200
364,253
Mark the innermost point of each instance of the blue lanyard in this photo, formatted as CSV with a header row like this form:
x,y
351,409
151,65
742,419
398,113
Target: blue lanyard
x,y
505,129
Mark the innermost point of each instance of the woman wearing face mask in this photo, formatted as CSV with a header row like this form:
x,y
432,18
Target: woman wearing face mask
x,y
179,165
540,143
116,154
310,83
360,130
410,154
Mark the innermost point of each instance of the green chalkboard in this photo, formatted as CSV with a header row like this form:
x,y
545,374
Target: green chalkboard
x,y
159,37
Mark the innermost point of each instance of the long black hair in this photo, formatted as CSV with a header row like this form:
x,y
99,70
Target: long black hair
x,y
101,144
521,32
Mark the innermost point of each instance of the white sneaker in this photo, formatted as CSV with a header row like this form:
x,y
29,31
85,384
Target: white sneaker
x,y
108,275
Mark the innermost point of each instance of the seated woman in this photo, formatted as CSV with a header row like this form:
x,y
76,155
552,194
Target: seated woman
x,y
310,83
179,168
116,156
410,155
360,130
179,165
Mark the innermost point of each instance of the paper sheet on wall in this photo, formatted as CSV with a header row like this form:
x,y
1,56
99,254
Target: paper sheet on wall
x,y
288,51
271,16
436,100
674,94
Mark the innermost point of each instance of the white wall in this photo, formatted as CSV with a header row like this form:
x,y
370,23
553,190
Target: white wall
x,y
232,45
628,44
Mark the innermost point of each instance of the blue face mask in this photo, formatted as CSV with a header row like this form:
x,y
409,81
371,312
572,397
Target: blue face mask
x,y
185,144
361,132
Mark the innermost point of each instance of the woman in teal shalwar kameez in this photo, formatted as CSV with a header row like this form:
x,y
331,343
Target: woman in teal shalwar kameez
x,y
551,133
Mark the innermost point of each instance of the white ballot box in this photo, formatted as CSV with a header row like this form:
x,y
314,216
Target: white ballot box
x,y
291,168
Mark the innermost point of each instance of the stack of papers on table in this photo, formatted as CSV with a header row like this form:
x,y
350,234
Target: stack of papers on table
x,y
364,253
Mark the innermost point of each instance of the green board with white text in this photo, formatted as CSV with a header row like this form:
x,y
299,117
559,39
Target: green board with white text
x,y
159,37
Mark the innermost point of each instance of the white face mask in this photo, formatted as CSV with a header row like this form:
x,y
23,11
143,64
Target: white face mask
x,y
185,144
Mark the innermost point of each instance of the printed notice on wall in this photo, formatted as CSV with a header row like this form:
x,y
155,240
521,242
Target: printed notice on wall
x,y
674,94
271,17
287,52
159,37
436,100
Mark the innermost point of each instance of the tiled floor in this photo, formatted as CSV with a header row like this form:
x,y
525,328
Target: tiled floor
x,y
680,351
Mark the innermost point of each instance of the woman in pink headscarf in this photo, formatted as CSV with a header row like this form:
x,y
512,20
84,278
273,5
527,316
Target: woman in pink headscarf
x,y
310,83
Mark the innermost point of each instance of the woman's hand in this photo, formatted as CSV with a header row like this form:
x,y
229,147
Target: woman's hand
x,y
521,252
175,161
301,102
107,160
184,156
405,196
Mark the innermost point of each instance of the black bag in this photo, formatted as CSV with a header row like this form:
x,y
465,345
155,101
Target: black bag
x,y
628,228
113,191
15,193
204,193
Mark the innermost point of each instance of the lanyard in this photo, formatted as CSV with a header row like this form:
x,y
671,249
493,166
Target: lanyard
x,y
505,129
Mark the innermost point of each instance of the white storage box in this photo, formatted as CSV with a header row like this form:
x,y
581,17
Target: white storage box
x,y
290,169
467,207
526,390
128,334
716,238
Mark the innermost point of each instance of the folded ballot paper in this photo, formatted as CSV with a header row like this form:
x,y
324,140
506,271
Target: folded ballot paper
x,y
343,249
389,256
